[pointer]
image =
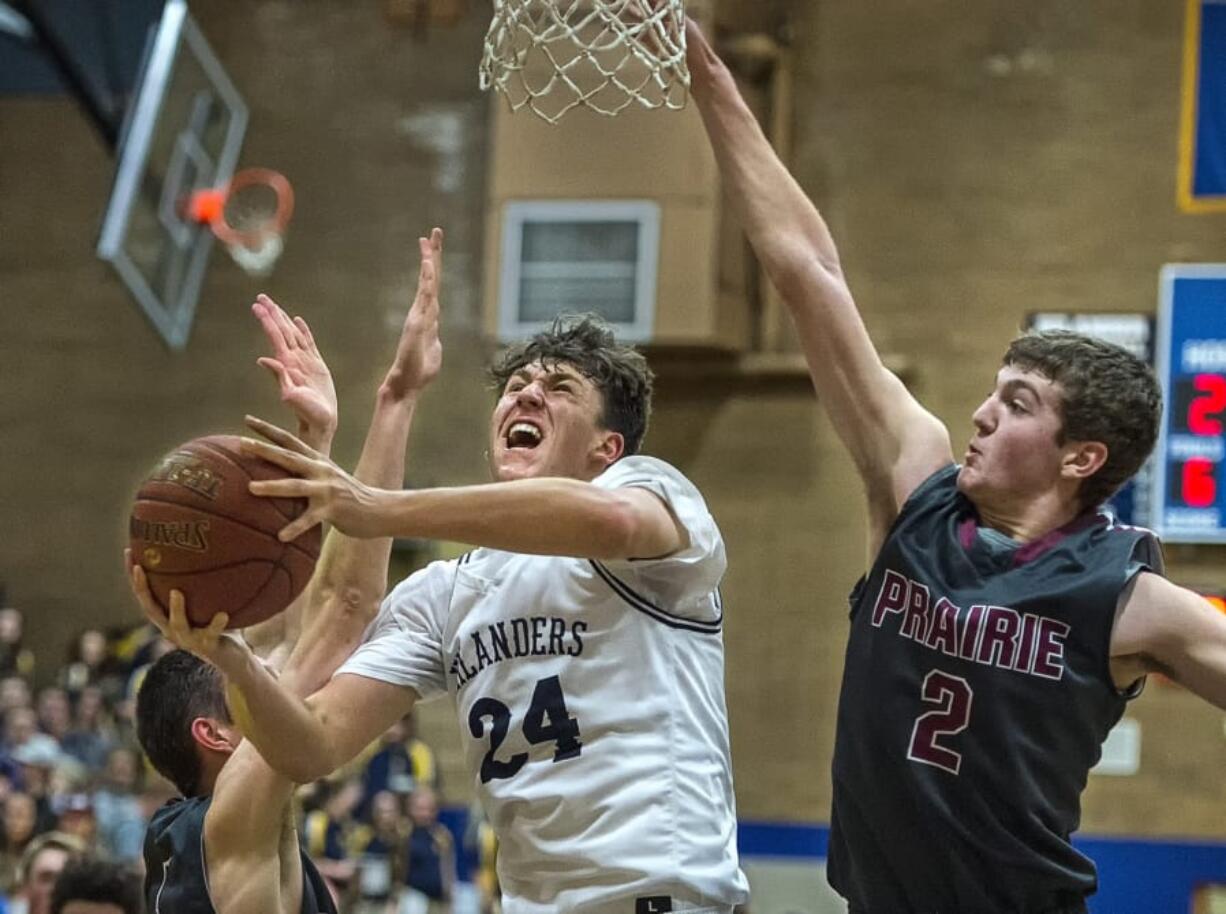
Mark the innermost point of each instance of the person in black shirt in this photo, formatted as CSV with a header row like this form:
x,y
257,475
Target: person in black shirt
x,y
1003,621
229,845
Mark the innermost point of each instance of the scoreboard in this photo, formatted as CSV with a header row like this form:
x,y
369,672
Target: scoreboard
x,y
1189,494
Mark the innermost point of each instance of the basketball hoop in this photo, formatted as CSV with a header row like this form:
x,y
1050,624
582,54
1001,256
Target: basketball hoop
x,y
553,56
249,215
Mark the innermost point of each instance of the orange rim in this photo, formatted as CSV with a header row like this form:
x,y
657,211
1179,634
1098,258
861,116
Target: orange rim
x,y
274,225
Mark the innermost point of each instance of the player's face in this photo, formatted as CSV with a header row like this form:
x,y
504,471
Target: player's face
x,y
1014,455
548,423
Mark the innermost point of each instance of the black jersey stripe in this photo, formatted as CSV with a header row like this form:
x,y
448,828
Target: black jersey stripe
x,y
650,609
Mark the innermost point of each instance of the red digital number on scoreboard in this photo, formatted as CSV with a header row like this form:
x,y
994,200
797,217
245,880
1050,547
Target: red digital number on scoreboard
x,y
1205,412
1199,483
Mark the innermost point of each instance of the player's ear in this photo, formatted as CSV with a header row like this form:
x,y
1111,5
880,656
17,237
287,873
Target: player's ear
x,y
1082,459
610,447
210,733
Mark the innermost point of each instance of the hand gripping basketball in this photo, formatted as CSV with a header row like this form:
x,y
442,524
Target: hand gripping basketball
x,y
332,494
205,642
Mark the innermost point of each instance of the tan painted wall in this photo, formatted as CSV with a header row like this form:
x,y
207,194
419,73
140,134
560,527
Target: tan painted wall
x,y
962,199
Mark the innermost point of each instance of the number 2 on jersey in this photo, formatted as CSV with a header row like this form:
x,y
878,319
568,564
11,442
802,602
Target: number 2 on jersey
x,y
951,698
547,721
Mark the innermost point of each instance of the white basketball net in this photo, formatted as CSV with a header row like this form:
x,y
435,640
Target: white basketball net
x,y
259,258
556,55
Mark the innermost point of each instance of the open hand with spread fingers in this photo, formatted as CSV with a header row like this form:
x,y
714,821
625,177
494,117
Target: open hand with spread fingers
x,y
207,642
303,375
332,494
419,353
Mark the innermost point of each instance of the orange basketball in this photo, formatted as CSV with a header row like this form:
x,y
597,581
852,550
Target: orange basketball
x,y
195,527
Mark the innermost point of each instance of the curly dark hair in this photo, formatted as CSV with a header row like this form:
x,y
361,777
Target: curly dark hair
x,y
178,689
620,372
1107,395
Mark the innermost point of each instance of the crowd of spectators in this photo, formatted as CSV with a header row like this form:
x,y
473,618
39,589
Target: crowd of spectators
x,y
76,793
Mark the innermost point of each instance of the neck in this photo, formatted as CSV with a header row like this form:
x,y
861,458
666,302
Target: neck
x,y
1030,520
209,769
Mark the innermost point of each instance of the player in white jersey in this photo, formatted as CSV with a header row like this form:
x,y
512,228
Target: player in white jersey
x,y
581,645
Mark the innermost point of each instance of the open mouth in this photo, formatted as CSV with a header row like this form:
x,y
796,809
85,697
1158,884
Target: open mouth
x,y
524,436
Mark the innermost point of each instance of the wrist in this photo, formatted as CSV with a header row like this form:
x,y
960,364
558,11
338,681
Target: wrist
x,y
391,514
393,394
236,660
319,439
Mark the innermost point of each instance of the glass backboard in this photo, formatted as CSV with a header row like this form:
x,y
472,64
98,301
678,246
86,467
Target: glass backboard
x,y
183,132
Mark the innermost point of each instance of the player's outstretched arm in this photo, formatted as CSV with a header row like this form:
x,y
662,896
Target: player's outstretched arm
x,y
306,387
547,516
893,440
1164,628
351,575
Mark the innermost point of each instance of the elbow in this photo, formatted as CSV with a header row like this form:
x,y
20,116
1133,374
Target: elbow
x,y
350,609
798,270
306,771
304,767
621,531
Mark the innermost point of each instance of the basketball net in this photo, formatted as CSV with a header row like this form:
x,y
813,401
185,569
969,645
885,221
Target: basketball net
x,y
553,56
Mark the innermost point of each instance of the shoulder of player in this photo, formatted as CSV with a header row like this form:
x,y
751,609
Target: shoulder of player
x,y
1155,614
640,469
437,576
249,804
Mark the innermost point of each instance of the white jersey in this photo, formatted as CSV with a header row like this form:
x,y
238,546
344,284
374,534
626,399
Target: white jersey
x,y
590,701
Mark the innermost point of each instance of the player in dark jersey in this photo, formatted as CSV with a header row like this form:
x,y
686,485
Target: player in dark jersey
x,y
229,845
1003,622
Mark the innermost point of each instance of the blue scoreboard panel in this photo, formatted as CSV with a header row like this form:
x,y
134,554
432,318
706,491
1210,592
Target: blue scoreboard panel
x,y
1189,494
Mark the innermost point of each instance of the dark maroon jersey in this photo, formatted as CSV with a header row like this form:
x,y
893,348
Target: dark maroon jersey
x,y
976,697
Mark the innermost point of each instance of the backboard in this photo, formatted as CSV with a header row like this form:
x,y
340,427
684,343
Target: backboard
x,y
162,103
183,132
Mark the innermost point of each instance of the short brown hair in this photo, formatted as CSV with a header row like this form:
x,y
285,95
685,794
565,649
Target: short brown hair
x,y
619,372
1107,395
178,689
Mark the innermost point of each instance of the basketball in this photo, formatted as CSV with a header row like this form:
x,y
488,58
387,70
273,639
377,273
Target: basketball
x,y
195,527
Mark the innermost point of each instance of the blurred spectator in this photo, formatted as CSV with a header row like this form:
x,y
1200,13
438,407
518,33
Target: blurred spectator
x,y
15,659
19,820
401,763
92,886
118,808
87,662
480,840
21,730
430,868
14,693
92,734
54,713
38,761
325,831
380,849
42,863
75,816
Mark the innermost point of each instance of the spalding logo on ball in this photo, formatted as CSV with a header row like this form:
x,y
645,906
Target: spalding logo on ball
x,y
195,527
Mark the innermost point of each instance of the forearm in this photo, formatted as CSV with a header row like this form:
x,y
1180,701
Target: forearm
x,y
274,715
351,576
551,516
781,222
